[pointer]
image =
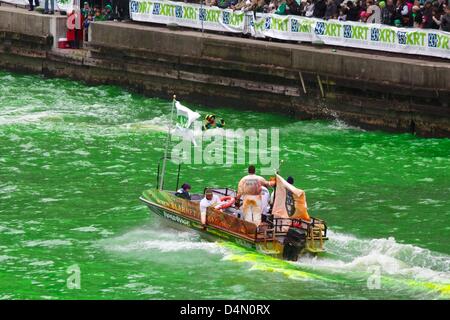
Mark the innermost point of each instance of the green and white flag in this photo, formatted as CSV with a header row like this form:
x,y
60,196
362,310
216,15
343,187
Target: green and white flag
x,y
185,119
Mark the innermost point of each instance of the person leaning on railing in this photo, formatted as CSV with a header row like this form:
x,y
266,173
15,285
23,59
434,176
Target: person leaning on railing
x,y
308,9
294,7
417,17
244,5
427,13
445,20
387,12
373,12
320,7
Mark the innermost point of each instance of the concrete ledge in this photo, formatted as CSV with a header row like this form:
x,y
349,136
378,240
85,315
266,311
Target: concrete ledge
x,y
32,23
45,41
406,72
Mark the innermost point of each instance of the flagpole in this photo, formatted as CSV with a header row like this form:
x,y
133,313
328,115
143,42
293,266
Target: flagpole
x,y
163,170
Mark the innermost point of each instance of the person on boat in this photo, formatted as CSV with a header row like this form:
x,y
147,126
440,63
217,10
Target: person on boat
x,y
249,190
211,123
209,200
265,201
183,192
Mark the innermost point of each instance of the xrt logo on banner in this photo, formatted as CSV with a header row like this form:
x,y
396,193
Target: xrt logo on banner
x,y
303,26
375,34
432,40
156,8
179,11
320,28
134,6
268,23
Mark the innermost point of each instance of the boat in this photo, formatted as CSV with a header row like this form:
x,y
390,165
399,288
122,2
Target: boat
x,y
286,230
279,237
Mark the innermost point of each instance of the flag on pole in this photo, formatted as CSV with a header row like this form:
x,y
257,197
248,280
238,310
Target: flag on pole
x,y
185,119
290,202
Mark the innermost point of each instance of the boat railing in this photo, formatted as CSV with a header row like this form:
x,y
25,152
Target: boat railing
x,y
274,227
221,191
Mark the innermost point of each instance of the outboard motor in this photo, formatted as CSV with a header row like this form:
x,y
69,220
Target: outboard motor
x,y
294,243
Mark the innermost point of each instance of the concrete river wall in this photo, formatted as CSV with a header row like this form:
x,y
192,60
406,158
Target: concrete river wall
x,y
368,89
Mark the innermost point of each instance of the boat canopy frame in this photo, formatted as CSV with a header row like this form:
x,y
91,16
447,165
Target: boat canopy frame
x,y
158,176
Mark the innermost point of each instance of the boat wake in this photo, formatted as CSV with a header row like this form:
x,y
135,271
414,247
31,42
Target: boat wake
x,y
159,124
353,254
35,117
143,241
349,259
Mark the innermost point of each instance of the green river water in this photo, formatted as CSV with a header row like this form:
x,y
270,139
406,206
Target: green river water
x,y
74,159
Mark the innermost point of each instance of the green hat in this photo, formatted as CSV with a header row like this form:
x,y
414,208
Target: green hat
x,y
382,4
397,23
108,6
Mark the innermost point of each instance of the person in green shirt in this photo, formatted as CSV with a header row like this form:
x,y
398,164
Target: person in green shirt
x,y
108,13
281,10
86,10
98,15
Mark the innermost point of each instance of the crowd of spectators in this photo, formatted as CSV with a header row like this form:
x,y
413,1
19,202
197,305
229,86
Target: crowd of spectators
x,y
95,13
89,14
431,14
100,10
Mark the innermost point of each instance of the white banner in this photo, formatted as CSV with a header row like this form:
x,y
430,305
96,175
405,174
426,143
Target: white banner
x,y
187,15
354,34
282,27
427,42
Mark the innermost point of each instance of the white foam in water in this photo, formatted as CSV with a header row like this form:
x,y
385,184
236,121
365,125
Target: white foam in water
x,y
47,243
92,228
339,124
156,124
28,118
222,132
81,152
4,258
426,180
8,230
165,246
393,258
162,241
86,229
41,263
319,128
